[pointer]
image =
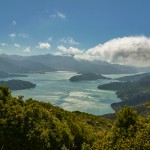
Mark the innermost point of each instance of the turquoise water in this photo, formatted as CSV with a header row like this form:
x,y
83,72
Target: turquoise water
x,y
55,87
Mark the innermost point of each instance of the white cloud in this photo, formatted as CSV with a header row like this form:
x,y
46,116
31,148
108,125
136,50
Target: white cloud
x,y
3,44
12,35
44,45
132,50
68,51
85,56
14,23
61,15
49,39
58,15
23,35
69,40
27,50
17,45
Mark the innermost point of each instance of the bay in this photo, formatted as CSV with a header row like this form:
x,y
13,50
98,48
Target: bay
x,y
55,87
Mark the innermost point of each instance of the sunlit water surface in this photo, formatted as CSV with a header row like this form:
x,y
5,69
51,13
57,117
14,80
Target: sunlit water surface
x,y
55,87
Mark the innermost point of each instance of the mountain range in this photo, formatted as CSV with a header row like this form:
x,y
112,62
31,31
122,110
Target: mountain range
x,y
48,62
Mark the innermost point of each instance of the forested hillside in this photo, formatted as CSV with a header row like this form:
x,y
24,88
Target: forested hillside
x,y
34,125
132,93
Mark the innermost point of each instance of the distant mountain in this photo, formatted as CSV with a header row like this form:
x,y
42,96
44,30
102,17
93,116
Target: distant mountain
x,y
17,84
8,65
133,77
20,64
43,63
87,76
7,75
144,69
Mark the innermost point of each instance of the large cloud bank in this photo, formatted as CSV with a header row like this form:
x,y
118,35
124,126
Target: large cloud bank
x,y
133,51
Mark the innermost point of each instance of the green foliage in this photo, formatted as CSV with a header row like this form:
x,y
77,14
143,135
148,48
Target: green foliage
x,y
126,118
129,131
30,124
4,93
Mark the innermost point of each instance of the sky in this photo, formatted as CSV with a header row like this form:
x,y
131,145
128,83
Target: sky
x,y
117,31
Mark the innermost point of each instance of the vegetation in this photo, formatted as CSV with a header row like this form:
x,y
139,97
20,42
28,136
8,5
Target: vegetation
x,y
17,84
132,93
34,125
115,86
129,131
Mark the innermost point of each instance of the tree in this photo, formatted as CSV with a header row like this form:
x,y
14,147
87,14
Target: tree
x,y
4,93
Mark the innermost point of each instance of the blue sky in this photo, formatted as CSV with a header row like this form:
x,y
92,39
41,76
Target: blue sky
x,y
48,26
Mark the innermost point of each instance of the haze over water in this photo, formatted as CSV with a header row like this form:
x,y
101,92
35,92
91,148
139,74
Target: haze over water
x,y
55,87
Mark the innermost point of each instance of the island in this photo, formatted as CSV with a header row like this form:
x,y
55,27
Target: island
x,y
17,84
8,75
87,76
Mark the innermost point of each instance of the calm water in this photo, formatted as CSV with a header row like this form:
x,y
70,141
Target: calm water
x,y
83,96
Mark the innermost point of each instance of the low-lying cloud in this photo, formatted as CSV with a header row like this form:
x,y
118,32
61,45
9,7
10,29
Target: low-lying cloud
x,y
58,15
14,23
17,45
12,35
27,50
69,41
44,45
133,51
69,51
3,44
